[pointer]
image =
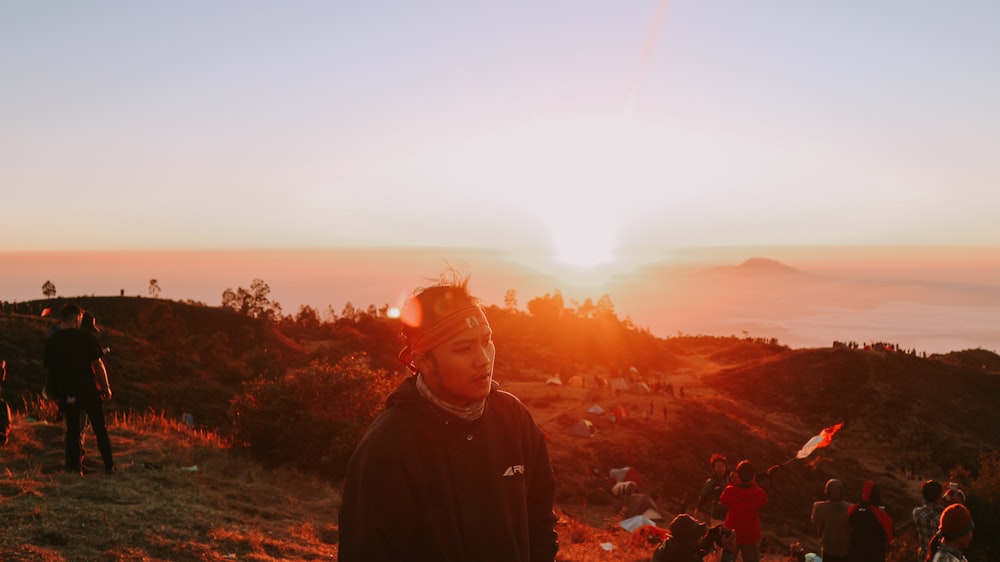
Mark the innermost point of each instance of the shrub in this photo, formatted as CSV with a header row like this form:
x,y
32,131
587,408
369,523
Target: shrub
x,y
312,417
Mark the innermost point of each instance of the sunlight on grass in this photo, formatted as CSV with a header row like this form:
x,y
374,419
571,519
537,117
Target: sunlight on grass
x,y
180,493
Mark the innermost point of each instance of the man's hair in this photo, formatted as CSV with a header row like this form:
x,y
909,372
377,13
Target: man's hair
x,y
931,490
70,312
431,304
434,313
717,458
745,471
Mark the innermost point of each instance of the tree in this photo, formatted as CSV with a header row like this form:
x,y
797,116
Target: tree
x,y
548,307
154,288
49,289
510,300
307,318
252,302
605,307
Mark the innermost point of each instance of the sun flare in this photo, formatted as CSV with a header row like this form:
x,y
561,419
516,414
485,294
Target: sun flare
x,y
583,241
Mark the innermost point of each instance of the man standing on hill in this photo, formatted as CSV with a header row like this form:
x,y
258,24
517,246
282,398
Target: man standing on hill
x,y
79,381
5,416
454,469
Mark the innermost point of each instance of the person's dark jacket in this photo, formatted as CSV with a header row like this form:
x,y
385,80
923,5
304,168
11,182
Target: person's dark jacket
x,y
708,500
69,354
426,485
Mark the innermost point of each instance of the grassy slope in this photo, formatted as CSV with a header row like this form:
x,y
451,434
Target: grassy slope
x,y
153,509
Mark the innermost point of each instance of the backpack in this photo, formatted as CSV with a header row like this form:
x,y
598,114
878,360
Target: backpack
x,y
868,539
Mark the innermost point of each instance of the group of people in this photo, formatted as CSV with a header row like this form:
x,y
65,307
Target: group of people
x,y
862,531
77,380
855,532
733,500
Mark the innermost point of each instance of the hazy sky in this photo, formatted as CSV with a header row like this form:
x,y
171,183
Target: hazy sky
x,y
141,125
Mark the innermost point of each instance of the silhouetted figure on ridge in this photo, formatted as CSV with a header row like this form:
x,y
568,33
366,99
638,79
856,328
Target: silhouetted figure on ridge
x,y
78,380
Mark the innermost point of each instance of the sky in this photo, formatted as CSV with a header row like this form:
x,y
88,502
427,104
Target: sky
x,y
585,129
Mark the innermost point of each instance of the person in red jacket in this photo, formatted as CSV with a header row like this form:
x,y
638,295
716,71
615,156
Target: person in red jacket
x,y
744,500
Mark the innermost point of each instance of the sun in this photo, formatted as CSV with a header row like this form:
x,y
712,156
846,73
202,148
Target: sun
x,y
583,241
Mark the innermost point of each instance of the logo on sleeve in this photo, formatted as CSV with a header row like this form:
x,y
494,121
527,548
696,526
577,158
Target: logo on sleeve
x,y
514,469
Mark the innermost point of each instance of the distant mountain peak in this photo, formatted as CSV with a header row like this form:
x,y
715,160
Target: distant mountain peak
x,y
765,264
754,269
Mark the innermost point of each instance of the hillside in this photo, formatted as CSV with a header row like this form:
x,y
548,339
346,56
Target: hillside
x,y
764,407
179,495
907,417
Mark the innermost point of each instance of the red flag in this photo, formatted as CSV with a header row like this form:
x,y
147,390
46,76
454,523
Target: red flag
x,y
822,440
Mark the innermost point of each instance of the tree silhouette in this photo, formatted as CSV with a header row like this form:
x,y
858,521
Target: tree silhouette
x,y
510,300
49,289
154,288
252,302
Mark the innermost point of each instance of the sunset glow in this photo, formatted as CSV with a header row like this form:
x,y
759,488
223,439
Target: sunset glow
x,y
536,146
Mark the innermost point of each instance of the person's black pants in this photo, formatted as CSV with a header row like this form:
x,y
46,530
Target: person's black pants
x,y
94,409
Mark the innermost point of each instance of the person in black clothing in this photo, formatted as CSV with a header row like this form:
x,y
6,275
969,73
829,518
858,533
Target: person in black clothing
x,y
708,501
78,380
454,469
5,416
690,542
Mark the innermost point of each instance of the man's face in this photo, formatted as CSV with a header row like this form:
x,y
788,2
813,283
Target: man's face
x,y
460,370
720,468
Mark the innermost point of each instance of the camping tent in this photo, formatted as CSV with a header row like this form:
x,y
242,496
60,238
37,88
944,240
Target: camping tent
x,y
639,388
596,409
641,504
554,381
624,474
576,380
583,428
625,489
619,384
633,523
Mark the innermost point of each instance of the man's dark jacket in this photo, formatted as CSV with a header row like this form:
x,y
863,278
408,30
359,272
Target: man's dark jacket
x,y
426,485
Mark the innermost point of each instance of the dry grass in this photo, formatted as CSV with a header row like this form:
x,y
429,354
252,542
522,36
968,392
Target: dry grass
x,y
179,495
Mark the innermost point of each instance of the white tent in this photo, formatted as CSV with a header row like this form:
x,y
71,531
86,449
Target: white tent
x,y
596,409
633,523
583,428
